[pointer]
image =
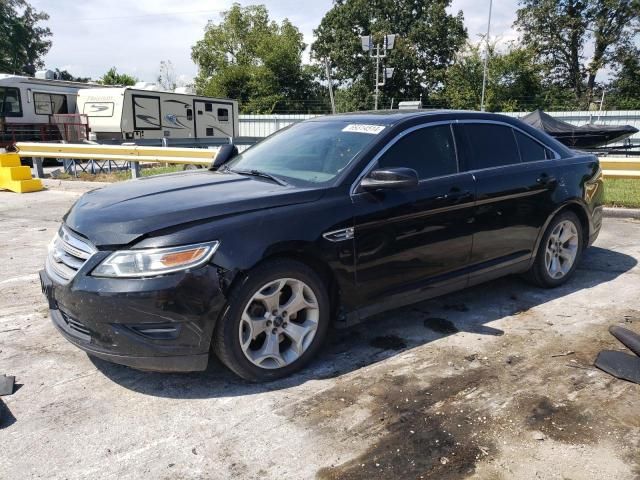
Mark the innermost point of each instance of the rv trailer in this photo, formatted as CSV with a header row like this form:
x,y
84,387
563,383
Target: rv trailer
x,y
130,114
28,107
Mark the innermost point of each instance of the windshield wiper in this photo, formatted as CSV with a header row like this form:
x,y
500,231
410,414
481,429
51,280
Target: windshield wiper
x,y
259,173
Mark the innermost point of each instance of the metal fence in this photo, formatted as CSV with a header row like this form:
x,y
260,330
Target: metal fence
x,y
265,125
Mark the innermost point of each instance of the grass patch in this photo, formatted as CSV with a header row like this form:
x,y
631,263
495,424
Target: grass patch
x,y
121,175
622,192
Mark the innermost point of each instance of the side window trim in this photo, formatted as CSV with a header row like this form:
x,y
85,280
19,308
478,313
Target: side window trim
x,y
370,166
515,127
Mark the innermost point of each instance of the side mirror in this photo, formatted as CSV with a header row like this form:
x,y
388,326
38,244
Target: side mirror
x,y
225,153
390,178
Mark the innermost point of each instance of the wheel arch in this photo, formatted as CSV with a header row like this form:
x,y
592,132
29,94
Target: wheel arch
x,y
307,257
575,207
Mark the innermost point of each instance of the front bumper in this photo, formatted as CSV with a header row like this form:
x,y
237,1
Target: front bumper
x,y
161,324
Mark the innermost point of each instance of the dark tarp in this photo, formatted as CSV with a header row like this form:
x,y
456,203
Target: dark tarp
x,y
584,136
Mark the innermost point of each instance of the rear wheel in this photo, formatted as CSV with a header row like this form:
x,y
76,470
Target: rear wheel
x,y
275,322
559,252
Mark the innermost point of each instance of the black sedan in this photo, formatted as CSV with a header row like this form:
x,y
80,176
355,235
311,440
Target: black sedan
x,y
328,221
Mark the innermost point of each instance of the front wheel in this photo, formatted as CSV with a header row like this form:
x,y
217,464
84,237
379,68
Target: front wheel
x,y
559,252
275,321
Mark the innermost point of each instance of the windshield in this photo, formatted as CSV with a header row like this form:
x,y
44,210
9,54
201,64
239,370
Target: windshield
x,y
308,152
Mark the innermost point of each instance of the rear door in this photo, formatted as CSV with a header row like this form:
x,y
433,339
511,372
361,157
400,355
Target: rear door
x,y
418,240
515,179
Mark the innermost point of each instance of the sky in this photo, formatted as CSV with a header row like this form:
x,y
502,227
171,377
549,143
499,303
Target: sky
x,y
91,36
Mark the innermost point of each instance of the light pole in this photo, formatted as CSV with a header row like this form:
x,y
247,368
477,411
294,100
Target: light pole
x,y
387,44
486,58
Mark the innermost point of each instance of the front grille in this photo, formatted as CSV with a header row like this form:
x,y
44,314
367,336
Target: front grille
x,y
67,254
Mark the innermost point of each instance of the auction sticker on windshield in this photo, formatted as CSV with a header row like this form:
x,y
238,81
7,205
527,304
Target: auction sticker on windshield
x,y
362,128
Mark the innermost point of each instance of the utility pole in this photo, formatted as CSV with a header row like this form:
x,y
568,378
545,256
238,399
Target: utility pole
x,y
486,58
333,102
387,44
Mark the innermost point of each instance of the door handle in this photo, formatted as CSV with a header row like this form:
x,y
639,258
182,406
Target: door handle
x,y
454,195
545,179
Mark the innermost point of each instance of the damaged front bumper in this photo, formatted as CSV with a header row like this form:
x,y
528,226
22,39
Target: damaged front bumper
x,y
162,324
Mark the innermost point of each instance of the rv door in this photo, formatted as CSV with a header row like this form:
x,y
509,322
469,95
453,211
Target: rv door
x,y
146,112
213,119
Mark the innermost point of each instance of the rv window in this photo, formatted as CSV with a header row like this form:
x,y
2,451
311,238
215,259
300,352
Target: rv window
x,y
209,132
189,114
49,103
42,104
10,102
208,107
223,115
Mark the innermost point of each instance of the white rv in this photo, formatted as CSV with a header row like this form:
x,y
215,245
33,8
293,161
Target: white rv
x,y
27,105
127,113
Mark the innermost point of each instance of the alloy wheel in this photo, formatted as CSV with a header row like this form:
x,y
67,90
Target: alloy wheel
x,y
561,249
279,323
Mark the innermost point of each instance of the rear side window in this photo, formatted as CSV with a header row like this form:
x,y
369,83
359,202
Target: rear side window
x,y
488,145
430,151
530,150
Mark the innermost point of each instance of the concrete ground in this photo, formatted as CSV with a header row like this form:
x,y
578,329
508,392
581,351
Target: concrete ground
x,y
494,382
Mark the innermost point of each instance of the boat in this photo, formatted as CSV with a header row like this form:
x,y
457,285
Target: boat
x,y
580,137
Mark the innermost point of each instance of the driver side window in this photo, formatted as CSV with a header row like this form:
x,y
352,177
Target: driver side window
x,y
430,151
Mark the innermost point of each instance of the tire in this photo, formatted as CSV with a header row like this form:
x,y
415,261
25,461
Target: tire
x,y
569,245
247,333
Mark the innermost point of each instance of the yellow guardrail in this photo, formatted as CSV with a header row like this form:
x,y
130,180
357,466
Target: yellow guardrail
x,y
130,153
620,167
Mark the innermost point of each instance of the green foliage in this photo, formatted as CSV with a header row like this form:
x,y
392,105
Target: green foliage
x,y
23,41
429,38
559,31
65,75
625,87
513,81
622,192
252,59
112,77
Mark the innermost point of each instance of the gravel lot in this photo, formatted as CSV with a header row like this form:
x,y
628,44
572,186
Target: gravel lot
x,y
494,382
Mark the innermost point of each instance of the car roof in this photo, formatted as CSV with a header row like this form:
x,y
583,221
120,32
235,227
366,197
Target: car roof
x,y
392,117
397,117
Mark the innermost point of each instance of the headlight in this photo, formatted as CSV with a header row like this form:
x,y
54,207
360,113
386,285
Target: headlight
x,y
157,261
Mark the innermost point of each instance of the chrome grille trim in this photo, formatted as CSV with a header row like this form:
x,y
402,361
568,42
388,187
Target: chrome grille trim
x,y
67,254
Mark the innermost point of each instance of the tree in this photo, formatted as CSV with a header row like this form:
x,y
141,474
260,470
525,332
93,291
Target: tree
x,y
513,81
559,31
555,30
112,77
65,75
167,76
428,39
23,41
611,23
254,60
625,86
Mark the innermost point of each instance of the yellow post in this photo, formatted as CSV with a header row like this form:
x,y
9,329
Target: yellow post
x,y
16,177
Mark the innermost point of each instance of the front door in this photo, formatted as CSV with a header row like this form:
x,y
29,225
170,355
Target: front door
x,y
415,242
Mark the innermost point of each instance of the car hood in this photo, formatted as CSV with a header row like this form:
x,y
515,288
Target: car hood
x,y
120,214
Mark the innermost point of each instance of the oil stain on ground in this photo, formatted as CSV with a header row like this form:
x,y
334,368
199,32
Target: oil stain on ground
x,y
440,325
388,342
560,421
420,431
